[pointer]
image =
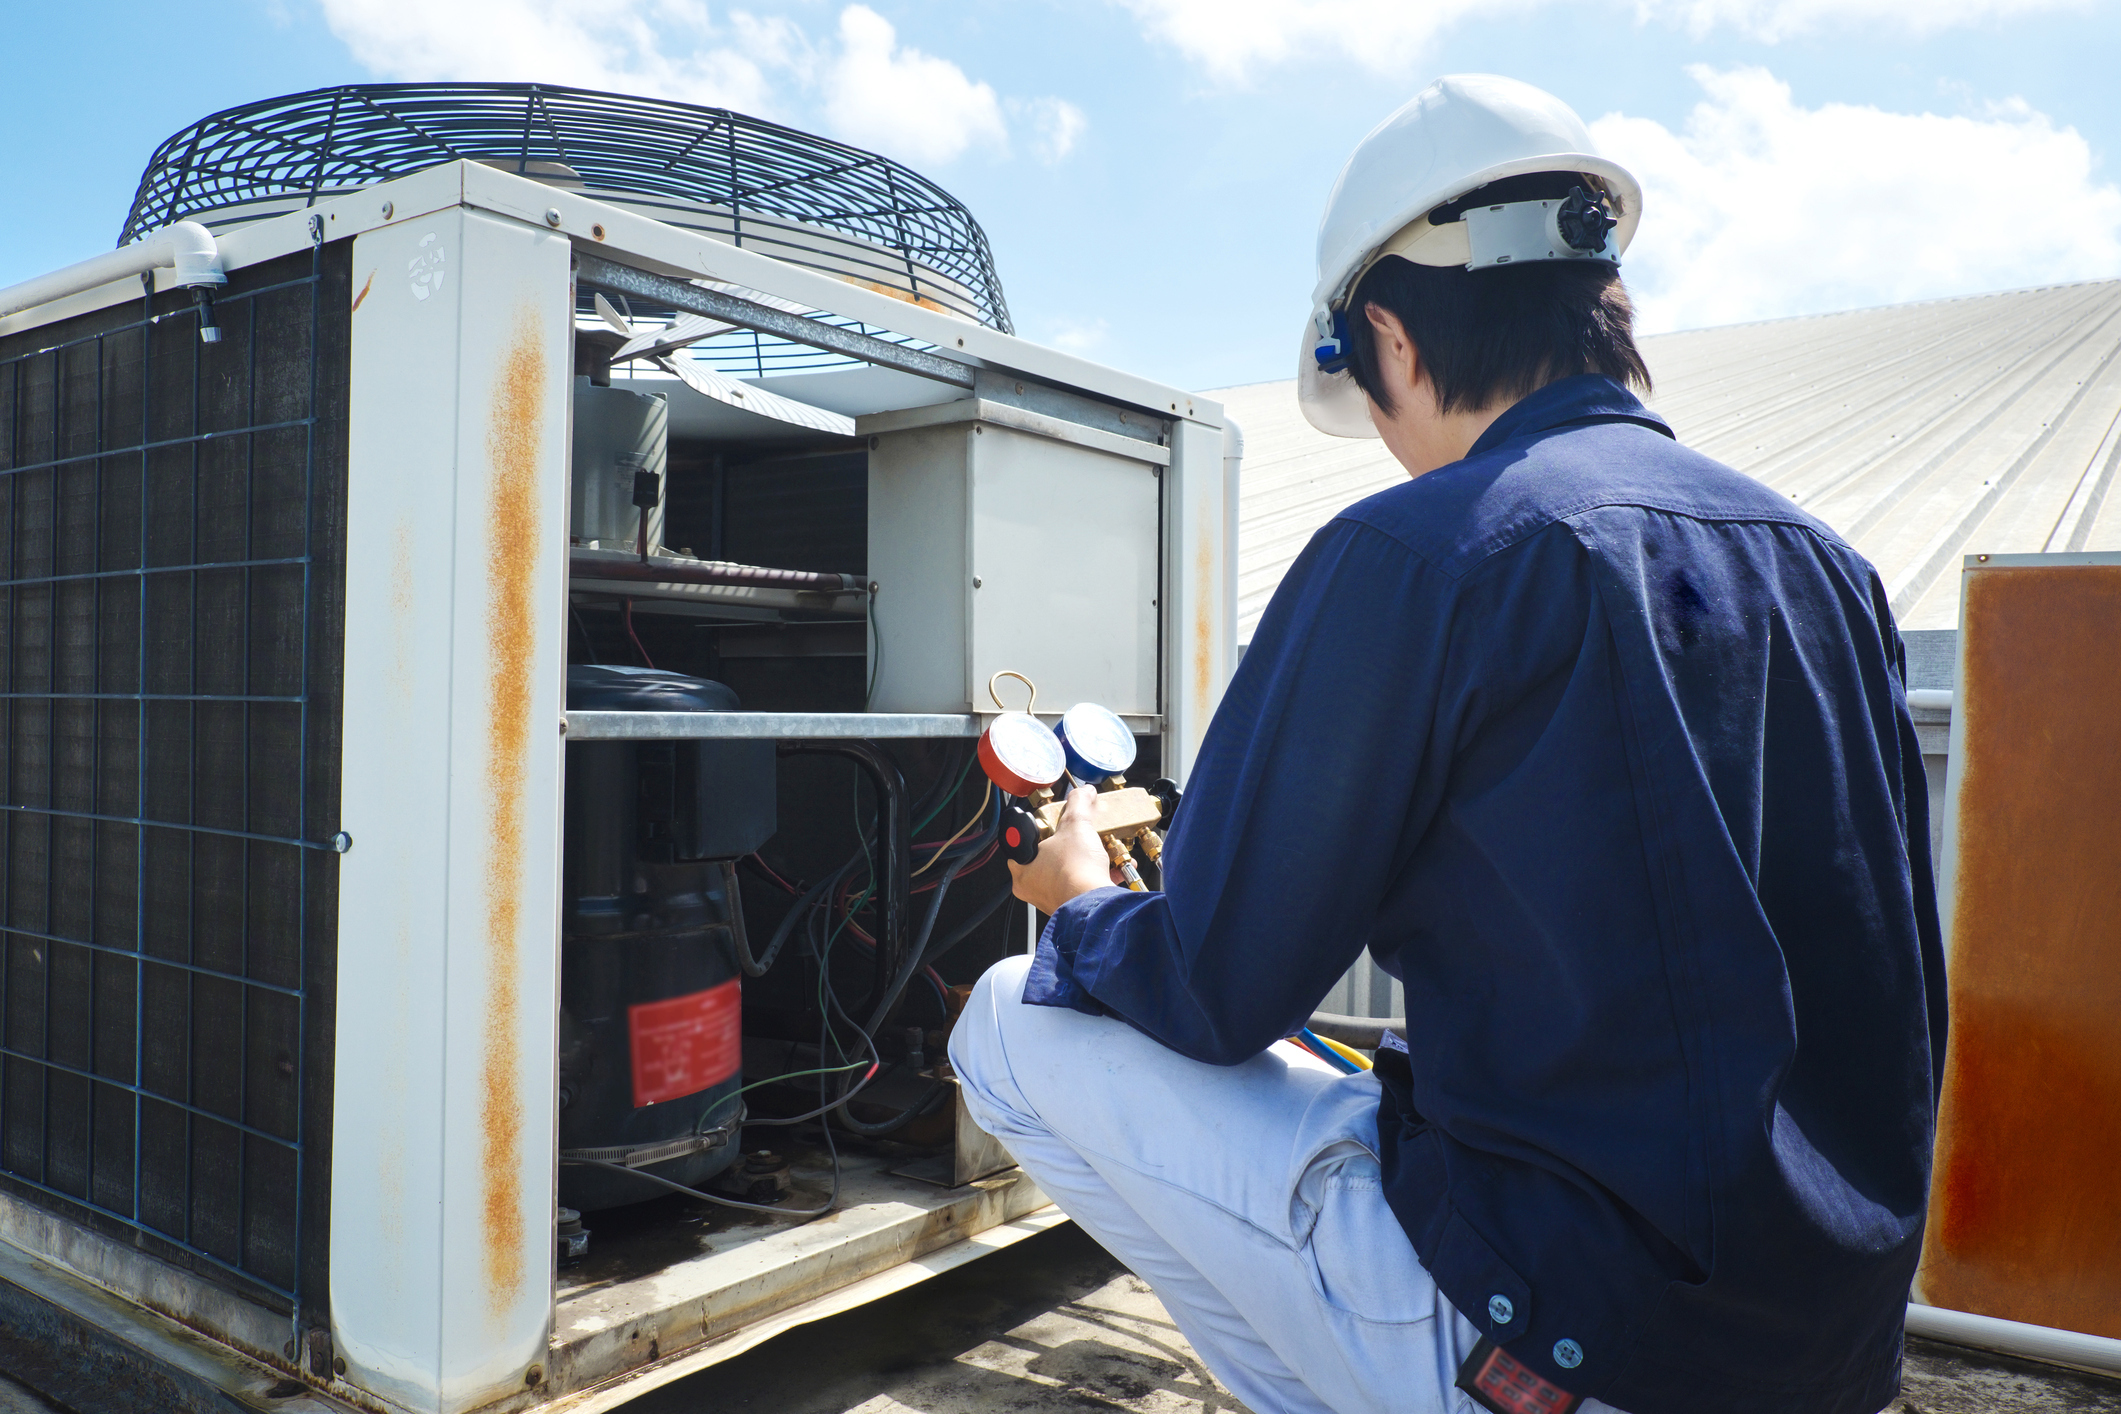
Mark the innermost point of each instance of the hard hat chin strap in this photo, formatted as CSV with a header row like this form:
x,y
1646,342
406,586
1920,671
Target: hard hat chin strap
x,y
1330,347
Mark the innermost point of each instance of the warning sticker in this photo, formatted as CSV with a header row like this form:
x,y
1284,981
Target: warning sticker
x,y
682,1045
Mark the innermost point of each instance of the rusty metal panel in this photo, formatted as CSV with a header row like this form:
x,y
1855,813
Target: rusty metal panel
x,y
2025,1207
442,1192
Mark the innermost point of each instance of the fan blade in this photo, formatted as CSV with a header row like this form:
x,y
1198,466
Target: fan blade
x,y
688,329
724,389
612,317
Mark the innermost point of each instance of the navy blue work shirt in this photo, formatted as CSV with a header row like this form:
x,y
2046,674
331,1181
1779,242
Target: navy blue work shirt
x,y
1603,750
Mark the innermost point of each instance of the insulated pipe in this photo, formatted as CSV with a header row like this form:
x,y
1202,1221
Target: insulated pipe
x,y
895,867
2056,1347
186,247
1364,1033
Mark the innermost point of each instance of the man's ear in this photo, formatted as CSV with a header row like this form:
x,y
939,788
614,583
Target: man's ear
x,y
1397,356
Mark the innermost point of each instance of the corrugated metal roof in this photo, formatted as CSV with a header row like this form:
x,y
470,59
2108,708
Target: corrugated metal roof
x,y
1922,432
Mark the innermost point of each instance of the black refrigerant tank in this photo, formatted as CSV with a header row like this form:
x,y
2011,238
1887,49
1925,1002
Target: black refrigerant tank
x,y
651,1052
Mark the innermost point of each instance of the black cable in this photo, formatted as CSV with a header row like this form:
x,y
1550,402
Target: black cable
x,y
756,967
898,1121
915,953
915,960
767,1208
964,930
804,910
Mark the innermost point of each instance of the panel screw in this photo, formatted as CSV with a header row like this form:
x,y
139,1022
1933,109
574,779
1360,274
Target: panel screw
x,y
552,215
975,581
875,585
1500,1311
534,1374
1567,1353
338,1365
387,209
1019,387
1981,559
597,231
341,842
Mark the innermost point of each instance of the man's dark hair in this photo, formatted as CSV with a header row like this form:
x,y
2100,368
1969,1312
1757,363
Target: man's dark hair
x,y
1492,336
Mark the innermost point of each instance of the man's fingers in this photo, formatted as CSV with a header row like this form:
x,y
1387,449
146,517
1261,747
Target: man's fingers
x,y
1081,809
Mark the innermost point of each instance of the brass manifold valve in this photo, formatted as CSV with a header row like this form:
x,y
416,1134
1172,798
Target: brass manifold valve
x,y
1027,760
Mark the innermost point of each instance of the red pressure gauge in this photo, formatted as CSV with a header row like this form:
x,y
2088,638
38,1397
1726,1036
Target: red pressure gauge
x,y
1019,753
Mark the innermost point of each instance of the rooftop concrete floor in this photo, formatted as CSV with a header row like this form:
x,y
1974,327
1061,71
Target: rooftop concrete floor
x,y
1054,1325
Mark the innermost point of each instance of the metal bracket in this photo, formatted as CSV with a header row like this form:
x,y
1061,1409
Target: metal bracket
x,y
682,294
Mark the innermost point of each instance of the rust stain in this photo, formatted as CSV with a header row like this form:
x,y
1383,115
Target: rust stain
x,y
2024,1220
401,609
366,286
512,446
1203,623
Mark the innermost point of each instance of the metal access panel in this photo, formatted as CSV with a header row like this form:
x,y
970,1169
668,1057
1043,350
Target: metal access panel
x,y
2024,1218
171,573
1005,541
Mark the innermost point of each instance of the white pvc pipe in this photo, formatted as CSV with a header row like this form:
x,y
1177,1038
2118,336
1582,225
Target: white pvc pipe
x,y
1930,697
186,247
2090,1352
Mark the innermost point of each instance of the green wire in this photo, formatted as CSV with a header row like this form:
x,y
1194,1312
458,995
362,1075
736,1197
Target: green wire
x,y
922,822
775,1080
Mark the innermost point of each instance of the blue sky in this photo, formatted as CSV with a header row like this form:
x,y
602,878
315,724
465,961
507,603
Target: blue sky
x,y
1151,171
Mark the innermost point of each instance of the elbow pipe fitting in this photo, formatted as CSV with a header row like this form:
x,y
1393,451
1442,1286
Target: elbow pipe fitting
x,y
894,848
187,248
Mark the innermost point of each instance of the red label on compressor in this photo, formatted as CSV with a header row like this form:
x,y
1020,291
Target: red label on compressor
x,y
682,1045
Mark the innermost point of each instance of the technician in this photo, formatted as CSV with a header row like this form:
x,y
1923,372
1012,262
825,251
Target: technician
x,y
1603,750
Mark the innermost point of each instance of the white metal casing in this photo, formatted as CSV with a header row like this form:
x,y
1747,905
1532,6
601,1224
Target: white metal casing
x,y
445,1078
443,1124
997,548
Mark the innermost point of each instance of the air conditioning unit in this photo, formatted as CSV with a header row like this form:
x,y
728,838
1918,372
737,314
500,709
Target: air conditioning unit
x,y
472,727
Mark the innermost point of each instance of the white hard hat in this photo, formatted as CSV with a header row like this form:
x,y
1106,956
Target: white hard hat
x,y
1461,132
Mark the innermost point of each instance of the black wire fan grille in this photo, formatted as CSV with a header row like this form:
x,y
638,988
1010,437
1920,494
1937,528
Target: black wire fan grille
x,y
758,185
171,577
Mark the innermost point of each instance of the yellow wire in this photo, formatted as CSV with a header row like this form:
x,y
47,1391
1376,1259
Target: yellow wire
x,y
1347,1053
985,796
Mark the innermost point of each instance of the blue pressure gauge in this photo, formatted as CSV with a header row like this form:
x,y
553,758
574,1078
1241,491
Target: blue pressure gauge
x,y
1097,742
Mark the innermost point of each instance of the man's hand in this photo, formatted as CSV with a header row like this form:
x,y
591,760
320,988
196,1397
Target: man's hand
x,y
1073,862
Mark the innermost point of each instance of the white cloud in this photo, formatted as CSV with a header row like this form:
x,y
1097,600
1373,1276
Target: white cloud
x,y
1055,125
1756,207
1229,38
859,83
903,102
1079,336
1774,20
658,48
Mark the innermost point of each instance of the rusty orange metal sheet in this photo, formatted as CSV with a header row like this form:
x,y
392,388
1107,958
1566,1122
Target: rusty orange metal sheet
x,y
2025,1204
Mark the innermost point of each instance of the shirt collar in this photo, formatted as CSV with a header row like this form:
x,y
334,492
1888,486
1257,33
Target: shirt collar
x,y
1588,397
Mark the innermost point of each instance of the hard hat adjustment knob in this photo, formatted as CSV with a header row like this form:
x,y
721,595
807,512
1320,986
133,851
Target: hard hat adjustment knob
x,y
1584,219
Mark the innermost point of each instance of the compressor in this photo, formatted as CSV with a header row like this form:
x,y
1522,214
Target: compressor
x,y
651,1051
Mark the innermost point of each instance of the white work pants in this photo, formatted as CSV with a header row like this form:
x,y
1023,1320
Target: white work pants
x,y
1248,1196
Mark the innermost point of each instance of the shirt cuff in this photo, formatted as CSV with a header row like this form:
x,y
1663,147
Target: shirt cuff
x,y
1052,980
